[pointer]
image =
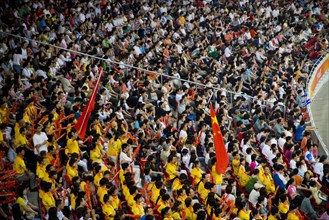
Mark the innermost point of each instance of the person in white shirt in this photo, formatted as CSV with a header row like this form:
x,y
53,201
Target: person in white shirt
x,y
282,141
293,161
318,166
17,61
254,194
125,158
267,151
40,140
228,52
183,134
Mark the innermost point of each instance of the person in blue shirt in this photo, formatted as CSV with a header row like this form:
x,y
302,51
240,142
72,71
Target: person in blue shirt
x,y
148,214
279,178
299,130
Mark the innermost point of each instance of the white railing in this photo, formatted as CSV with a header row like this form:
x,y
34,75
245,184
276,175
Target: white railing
x,y
317,77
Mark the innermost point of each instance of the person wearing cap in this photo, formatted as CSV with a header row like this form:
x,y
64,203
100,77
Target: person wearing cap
x,y
254,194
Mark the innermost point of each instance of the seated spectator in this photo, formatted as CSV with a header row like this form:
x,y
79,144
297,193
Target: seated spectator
x,y
22,173
307,207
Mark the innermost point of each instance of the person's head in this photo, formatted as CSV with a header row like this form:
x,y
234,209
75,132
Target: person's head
x,y
20,151
166,212
138,198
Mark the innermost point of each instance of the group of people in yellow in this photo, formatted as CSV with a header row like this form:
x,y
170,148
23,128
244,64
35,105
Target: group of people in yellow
x,y
177,194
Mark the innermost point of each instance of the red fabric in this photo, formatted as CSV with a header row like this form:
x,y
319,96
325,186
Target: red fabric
x,y
81,125
222,160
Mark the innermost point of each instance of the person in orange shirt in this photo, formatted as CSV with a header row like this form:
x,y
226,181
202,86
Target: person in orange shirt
x,y
305,140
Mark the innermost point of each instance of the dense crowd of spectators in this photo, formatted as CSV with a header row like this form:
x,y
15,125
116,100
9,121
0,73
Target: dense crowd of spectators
x,y
148,151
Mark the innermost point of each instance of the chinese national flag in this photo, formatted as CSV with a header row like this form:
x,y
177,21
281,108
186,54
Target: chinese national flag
x,y
221,154
82,123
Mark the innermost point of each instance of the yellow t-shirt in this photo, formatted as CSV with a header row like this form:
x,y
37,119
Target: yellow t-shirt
x,y
243,177
72,146
41,171
244,215
72,198
21,203
171,170
261,174
283,207
236,165
269,183
176,216
96,156
1,136
114,149
21,140
97,178
16,129
190,214
101,191
131,201
19,165
217,177
176,185
292,216
155,194
108,211
71,172
48,200
271,217
138,209
196,174
115,202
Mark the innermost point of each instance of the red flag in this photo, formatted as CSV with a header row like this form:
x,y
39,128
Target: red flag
x,y
81,125
221,154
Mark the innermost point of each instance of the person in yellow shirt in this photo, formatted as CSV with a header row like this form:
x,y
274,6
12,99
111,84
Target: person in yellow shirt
x,y
96,154
261,166
177,210
164,202
133,190
20,139
102,190
114,147
72,168
268,180
72,145
156,191
283,204
244,177
242,212
217,177
293,213
274,213
115,201
47,198
177,183
171,168
107,208
196,173
189,213
166,213
138,208
2,141
26,207
98,175
22,173
236,163
41,168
